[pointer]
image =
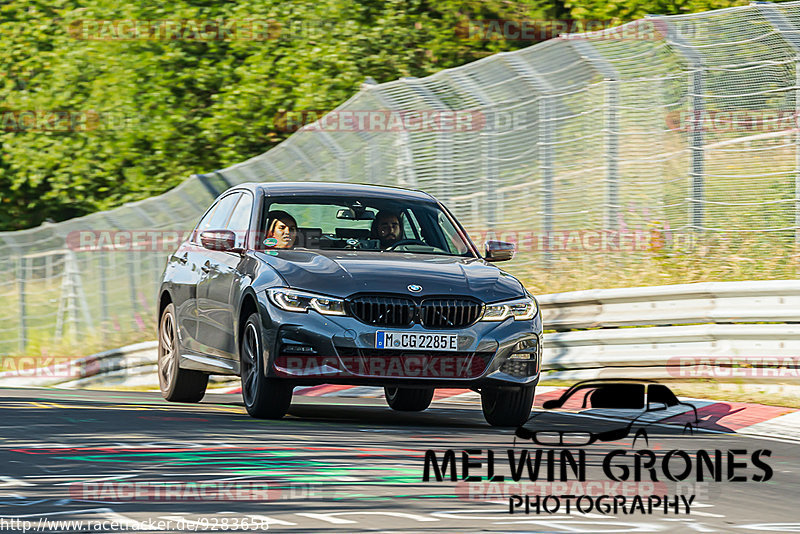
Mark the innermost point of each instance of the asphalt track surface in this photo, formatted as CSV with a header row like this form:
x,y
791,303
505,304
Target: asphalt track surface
x,y
332,465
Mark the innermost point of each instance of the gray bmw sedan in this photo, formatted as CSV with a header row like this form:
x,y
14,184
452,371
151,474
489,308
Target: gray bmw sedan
x,y
291,284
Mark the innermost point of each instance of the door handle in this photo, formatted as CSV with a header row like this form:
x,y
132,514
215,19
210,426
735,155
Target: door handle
x,y
206,268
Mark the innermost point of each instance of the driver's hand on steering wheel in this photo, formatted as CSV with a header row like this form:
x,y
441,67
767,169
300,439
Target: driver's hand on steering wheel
x,y
401,242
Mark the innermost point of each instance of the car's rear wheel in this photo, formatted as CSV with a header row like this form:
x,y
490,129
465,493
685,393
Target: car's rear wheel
x,y
408,399
507,406
264,398
176,384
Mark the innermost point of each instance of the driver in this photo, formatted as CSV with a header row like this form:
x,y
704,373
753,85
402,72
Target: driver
x,y
386,228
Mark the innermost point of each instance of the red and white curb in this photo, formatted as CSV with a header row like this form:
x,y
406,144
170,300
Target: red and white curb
x,y
716,416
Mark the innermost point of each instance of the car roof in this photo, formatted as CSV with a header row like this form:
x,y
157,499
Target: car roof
x,y
333,188
609,382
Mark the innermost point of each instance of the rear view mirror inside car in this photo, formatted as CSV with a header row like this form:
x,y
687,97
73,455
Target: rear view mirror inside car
x,y
353,214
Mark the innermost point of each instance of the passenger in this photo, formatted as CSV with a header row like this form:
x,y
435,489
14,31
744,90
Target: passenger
x,y
386,228
283,228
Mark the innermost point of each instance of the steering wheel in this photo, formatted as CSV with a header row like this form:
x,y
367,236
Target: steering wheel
x,y
407,242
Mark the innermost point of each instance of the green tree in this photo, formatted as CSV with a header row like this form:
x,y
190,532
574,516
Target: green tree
x,y
145,114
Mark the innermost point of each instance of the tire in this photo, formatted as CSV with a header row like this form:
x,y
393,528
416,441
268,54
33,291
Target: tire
x,y
408,399
507,407
264,398
176,384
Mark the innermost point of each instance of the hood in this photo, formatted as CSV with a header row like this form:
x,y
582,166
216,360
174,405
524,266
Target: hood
x,y
343,273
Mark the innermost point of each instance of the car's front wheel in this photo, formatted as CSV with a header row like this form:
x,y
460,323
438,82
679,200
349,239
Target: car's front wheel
x,y
408,399
507,406
264,398
176,384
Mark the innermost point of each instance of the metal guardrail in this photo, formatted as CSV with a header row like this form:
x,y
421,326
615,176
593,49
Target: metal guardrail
x,y
109,368
630,332
653,332
710,302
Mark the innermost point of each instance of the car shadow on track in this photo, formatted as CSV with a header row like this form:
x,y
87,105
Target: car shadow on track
x,y
385,416
376,412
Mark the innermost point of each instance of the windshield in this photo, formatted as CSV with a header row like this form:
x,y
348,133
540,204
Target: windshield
x,y
360,223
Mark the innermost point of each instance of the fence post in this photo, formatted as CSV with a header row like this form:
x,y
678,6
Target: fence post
x,y
488,147
103,294
444,138
301,156
23,332
272,169
788,32
697,147
611,118
546,161
696,109
372,153
489,151
132,263
330,143
546,132
404,162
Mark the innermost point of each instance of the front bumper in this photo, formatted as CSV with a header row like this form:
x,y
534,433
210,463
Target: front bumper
x,y
310,348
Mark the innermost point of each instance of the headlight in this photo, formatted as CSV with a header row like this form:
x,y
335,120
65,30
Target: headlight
x,y
301,301
523,309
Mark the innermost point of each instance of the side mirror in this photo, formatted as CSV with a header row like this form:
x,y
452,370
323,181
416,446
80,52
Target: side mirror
x,y
655,406
499,251
222,240
551,404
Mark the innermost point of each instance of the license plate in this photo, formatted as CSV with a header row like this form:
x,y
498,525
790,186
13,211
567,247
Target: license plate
x,y
416,341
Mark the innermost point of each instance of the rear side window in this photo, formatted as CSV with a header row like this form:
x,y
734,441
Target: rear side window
x,y
661,393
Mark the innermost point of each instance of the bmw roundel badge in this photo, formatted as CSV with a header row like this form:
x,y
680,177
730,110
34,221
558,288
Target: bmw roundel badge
x,y
414,288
